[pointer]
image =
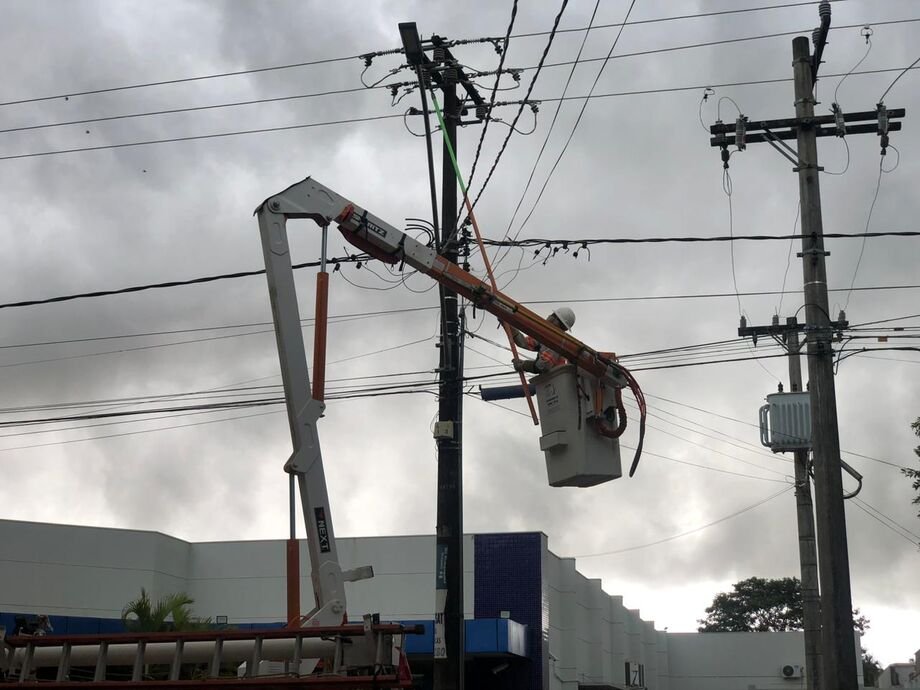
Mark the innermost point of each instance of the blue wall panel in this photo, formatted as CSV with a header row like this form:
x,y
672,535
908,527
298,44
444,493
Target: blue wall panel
x,y
509,577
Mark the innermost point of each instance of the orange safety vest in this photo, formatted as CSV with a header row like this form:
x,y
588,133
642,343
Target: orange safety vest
x,y
546,359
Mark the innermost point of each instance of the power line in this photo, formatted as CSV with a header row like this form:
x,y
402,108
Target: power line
x,y
674,89
584,243
340,318
498,72
568,140
181,80
190,109
700,87
198,137
906,69
688,532
552,124
887,522
498,76
887,517
757,426
517,116
657,20
168,284
322,61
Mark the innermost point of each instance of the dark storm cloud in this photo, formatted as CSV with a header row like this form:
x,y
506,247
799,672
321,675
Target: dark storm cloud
x,y
637,166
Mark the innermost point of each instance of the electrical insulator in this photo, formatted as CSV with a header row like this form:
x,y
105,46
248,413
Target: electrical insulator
x,y
816,36
450,76
839,122
481,112
824,10
775,320
740,131
439,55
866,32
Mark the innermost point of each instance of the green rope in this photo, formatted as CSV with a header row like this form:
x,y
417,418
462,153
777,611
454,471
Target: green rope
x,y
447,143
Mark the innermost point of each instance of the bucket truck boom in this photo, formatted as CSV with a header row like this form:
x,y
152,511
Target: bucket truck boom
x,y
311,200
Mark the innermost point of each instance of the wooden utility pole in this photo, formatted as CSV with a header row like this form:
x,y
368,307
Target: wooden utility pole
x,y
805,518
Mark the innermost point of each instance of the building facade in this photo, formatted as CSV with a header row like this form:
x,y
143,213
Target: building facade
x,y
533,621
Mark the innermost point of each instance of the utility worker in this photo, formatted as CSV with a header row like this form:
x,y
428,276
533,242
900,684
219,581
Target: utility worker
x,y
563,318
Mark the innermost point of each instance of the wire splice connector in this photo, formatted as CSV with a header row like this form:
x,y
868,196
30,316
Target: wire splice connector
x,y
839,122
740,132
882,112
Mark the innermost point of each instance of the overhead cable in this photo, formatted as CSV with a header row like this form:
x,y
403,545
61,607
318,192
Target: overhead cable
x,y
688,532
498,73
170,284
523,103
374,118
552,123
498,76
322,61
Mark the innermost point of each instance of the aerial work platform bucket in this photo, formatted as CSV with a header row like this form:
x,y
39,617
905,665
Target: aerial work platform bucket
x,y
576,454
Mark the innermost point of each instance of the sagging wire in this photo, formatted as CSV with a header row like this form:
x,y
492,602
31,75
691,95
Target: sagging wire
x,y
415,111
795,224
866,32
707,94
396,97
367,65
719,106
878,185
534,108
837,110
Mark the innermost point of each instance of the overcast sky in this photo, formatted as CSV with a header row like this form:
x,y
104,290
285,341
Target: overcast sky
x,y
638,165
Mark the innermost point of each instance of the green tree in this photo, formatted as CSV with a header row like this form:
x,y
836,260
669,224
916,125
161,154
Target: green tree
x,y
872,669
915,474
757,605
173,612
771,605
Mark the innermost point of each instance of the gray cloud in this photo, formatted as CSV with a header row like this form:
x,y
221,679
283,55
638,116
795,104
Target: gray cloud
x,y
637,166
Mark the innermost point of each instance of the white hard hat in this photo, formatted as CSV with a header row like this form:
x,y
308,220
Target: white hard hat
x,y
566,317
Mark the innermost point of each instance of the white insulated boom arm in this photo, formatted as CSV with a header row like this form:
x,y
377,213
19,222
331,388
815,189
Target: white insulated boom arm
x,y
310,199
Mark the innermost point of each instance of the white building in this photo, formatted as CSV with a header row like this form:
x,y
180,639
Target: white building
x,y
901,675
534,622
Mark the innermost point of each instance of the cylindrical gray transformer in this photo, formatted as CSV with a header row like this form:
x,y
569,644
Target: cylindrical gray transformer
x,y
576,455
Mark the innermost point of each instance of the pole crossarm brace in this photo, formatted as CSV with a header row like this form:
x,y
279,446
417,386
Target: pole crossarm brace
x,y
786,151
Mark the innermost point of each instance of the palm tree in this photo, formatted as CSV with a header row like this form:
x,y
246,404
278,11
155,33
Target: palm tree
x,y
171,612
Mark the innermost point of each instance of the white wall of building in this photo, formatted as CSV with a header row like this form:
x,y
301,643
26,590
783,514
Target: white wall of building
x,y
94,572
85,571
900,676
591,636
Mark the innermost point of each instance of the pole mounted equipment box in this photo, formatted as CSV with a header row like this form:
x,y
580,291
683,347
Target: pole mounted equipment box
x,y
576,454
785,422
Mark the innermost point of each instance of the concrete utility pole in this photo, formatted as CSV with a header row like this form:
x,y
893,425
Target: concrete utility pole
x,y
445,73
808,557
448,671
838,649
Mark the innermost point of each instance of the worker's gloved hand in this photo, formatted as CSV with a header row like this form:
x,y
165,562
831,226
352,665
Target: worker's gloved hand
x,y
518,364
